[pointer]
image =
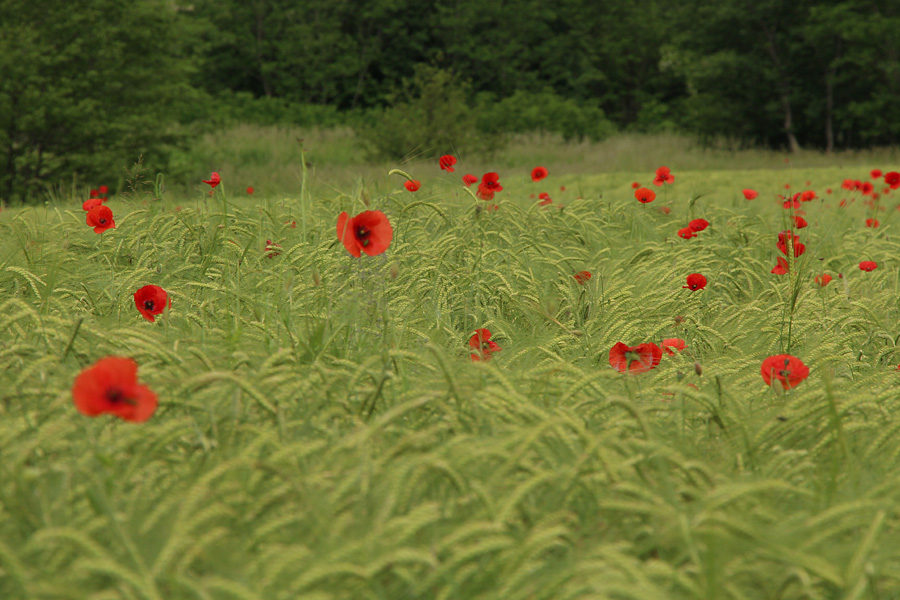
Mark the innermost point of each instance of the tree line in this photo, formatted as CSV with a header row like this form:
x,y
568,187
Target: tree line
x,y
84,82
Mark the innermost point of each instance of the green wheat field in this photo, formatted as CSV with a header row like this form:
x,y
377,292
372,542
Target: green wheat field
x,y
322,434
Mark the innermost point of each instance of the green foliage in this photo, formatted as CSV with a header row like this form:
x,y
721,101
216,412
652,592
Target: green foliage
x,y
322,434
87,87
545,112
429,116
243,108
820,72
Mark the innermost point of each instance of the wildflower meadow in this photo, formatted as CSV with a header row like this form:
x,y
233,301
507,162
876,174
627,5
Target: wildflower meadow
x,y
451,380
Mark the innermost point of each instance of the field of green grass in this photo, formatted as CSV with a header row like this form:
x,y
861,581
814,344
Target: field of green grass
x,y
322,433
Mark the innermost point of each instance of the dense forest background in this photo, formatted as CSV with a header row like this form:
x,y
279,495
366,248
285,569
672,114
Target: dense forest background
x,y
88,85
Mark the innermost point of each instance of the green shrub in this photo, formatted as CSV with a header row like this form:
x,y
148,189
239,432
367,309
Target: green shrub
x,y
546,112
233,108
87,87
428,116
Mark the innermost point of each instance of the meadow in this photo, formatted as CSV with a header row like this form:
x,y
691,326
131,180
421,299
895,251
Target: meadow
x,y
322,431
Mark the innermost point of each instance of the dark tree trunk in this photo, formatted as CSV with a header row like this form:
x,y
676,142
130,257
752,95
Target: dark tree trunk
x,y
11,148
829,112
260,36
783,94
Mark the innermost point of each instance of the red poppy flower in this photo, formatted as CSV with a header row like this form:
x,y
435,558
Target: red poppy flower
x,y
292,224
806,196
490,184
823,279
482,344
669,344
562,188
866,188
644,195
800,222
634,359
369,232
788,370
250,191
790,204
151,300
103,190
491,181
686,233
484,193
538,173
213,180
89,204
412,185
635,185
447,163
695,281
781,268
872,223
663,176
664,210
698,224
272,249
892,179
582,276
783,238
868,265
750,194
876,173
95,193
110,386
101,219
828,191
469,180
545,199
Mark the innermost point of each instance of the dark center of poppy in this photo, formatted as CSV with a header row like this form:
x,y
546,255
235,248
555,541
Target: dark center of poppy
x,y
485,345
362,234
784,373
148,304
102,221
116,396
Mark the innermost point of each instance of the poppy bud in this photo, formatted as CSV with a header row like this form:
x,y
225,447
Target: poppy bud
x,y
698,369
395,271
679,319
316,279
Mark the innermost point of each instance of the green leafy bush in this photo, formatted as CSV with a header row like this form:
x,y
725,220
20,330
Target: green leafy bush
x,y
548,112
429,115
233,108
87,87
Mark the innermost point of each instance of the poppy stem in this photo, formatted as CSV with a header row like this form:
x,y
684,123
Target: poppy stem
x,y
304,190
72,339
